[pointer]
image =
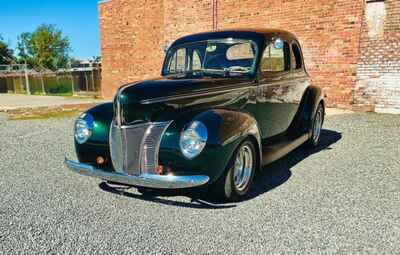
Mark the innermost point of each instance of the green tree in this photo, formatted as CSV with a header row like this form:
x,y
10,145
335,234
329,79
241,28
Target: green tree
x,y
45,48
6,54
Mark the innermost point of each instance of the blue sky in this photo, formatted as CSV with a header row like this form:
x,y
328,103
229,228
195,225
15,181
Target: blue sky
x,y
78,19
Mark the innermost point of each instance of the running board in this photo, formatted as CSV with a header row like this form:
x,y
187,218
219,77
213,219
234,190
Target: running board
x,y
276,151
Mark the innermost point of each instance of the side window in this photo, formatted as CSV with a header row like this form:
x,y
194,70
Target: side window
x,y
178,61
298,61
276,59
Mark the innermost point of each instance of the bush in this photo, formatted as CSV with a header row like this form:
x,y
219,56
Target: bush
x,y
60,89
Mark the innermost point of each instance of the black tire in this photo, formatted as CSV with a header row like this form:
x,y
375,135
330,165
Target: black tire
x,y
226,188
316,127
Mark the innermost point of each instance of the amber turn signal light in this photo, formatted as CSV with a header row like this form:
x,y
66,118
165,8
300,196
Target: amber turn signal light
x,y
100,160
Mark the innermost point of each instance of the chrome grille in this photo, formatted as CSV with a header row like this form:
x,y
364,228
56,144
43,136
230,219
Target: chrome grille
x,y
134,149
151,144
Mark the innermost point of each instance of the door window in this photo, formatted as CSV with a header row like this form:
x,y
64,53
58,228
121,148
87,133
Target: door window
x,y
276,59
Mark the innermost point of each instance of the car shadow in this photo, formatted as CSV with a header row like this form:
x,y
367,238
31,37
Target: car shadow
x,y
160,197
271,177
278,172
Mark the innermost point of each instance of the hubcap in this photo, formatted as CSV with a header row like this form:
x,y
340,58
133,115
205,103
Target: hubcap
x,y
243,168
317,126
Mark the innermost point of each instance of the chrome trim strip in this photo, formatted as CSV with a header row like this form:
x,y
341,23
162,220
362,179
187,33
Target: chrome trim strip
x,y
118,111
143,180
184,96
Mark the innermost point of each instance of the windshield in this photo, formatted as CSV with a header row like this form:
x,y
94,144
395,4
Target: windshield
x,y
226,57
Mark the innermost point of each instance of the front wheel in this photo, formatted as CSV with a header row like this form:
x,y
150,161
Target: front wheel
x,y
316,126
237,180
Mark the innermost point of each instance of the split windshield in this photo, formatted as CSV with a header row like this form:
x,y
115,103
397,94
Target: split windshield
x,y
223,57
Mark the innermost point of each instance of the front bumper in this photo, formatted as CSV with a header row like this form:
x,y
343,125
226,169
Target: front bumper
x,y
142,180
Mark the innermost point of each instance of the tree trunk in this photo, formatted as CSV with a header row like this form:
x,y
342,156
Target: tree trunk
x,y
42,81
72,83
86,82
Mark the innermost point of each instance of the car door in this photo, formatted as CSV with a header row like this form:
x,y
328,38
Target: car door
x,y
277,92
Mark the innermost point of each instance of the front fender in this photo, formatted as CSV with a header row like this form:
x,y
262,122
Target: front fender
x,y
226,130
98,143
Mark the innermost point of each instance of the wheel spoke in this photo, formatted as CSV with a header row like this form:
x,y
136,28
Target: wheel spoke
x,y
317,126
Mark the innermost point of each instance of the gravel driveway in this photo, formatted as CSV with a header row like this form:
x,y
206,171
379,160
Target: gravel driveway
x,y
341,198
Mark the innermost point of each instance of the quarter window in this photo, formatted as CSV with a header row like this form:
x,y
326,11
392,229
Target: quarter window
x,y
275,59
298,61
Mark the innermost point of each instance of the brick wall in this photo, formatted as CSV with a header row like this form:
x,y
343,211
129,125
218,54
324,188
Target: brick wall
x,y
378,75
133,35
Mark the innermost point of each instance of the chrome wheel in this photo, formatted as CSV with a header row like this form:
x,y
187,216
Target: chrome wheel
x,y
317,126
243,167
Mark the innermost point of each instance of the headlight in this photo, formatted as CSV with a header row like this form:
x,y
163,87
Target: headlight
x,y
83,128
193,139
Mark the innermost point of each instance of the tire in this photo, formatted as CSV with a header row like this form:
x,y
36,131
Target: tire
x,y
316,126
236,181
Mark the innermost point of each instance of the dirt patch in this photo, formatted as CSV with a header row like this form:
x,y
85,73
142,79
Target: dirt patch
x,y
64,111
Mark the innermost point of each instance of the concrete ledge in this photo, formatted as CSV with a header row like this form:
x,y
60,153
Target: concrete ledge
x,y
337,111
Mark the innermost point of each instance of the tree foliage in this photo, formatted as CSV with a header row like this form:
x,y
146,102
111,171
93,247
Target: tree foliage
x,y
45,48
6,54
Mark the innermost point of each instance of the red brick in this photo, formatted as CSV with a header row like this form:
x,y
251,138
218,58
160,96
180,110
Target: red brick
x,y
332,34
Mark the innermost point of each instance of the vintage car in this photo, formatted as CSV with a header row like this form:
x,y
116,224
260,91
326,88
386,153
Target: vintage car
x,y
227,103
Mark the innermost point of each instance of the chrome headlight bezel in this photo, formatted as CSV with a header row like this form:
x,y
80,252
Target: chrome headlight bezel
x,y
193,139
83,128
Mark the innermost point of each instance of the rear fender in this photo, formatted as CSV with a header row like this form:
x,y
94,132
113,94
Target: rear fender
x,y
312,97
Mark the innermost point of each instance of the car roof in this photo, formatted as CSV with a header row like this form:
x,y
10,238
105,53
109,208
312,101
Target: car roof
x,y
260,35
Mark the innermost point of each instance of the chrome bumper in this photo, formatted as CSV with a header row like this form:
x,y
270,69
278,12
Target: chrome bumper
x,y
142,180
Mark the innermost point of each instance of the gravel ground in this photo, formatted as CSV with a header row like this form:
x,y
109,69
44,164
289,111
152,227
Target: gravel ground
x,y
343,197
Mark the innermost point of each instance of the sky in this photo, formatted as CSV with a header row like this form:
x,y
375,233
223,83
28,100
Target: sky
x,y
78,19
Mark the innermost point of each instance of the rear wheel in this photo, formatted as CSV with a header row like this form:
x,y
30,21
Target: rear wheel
x,y
237,180
316,126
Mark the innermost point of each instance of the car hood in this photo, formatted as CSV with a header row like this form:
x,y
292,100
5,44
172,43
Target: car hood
x,y
148,100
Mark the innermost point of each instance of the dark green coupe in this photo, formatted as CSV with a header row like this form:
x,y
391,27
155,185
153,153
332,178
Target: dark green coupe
x,y
226,104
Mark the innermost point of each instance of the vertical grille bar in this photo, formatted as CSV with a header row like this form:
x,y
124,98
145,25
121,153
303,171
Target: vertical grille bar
x,y
117,148
151,146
